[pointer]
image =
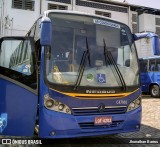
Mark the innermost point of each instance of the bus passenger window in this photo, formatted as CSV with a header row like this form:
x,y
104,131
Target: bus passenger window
x,y
143,65
158,64
158,67
152,65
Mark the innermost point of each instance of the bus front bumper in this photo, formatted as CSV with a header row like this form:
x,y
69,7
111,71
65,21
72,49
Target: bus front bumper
x,y
60,125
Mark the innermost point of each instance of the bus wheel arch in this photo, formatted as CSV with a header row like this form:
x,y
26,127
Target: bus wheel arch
x,y
154,90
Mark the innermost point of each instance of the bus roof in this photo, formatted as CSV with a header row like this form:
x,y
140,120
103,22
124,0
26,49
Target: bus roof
x,y
46,13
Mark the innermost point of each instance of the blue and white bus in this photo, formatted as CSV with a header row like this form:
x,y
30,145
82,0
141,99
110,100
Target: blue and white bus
x,y
150,75
72,75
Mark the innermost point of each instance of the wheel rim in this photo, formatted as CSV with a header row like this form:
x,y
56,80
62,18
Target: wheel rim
x,y
154,91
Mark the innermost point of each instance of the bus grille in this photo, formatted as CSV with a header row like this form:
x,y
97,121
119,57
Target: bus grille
x,y
90,125
95,111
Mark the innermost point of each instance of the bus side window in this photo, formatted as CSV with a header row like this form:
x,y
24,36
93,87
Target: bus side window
x,y
143,65
152,65
37,30
16,61
157,65
32,31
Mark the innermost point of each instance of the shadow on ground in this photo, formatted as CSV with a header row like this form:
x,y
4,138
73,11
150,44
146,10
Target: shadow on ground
x,y
146,96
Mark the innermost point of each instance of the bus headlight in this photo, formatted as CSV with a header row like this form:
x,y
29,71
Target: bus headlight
x,y
49,103
55,105
61,107
135,104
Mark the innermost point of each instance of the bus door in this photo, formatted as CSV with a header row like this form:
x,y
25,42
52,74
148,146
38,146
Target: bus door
x,y
18,86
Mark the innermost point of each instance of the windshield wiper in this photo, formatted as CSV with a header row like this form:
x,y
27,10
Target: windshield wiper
x,y
108,55
83,65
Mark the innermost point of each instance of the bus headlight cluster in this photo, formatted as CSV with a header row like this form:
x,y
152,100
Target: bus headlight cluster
x,y
55,105
135,104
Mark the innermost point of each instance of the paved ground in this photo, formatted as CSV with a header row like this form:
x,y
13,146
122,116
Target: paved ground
x,y
151,112
150,129
150,121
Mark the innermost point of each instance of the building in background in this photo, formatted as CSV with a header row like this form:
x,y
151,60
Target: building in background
x,y
17,16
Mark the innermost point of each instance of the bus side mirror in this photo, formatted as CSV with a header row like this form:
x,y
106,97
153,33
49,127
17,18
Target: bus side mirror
x,y
153,36
46,32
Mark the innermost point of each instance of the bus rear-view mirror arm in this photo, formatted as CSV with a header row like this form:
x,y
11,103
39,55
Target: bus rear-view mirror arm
x,y
138,36
153,36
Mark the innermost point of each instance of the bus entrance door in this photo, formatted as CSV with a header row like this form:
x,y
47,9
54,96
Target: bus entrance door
x,y
18,86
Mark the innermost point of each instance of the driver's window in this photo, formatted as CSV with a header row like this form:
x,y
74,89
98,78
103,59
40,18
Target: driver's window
x,y
16,55
16,60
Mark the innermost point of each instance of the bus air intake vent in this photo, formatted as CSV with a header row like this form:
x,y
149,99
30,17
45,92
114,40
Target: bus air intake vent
x,y
95,111
90,125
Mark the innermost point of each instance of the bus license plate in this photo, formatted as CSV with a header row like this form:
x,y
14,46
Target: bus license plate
x,y
105,120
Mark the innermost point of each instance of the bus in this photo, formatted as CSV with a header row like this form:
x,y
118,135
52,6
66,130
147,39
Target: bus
x,y
73,75
150,75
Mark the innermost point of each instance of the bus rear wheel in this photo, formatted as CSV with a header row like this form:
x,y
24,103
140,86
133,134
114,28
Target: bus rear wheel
x,y
154,91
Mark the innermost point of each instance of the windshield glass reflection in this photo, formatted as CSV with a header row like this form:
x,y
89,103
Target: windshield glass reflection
x,y
78,57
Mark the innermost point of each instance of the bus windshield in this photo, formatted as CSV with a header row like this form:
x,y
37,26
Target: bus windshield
x,y
91,51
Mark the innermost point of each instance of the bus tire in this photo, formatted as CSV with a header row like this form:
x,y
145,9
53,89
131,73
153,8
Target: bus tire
x,y
154,91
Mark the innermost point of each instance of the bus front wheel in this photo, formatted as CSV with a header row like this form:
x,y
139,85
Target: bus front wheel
x,y
154,91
